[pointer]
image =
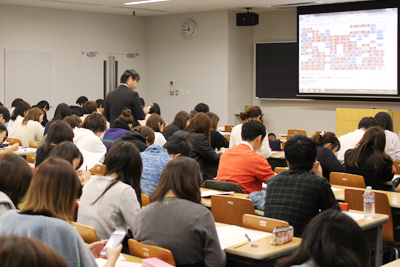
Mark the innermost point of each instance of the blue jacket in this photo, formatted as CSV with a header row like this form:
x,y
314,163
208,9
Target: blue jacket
x,y
112,134
154,159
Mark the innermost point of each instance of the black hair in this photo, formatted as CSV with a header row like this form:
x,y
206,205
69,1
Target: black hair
x,y
300,152
367,122
178,145
82,100
61,112
20,109
252,129
324,138
331,239
128,73
201,107
16,101
384,121
6,113
77,112
142,102
100,103
155,109
43,105
120,124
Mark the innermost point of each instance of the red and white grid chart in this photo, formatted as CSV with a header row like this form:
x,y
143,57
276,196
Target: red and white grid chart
x,y
348,52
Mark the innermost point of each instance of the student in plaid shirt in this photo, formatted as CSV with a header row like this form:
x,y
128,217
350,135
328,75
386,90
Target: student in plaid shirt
x,y
297,195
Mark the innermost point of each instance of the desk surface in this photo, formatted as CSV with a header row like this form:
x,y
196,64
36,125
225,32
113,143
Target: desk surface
x,y
264,250
392,264
394,198
132,258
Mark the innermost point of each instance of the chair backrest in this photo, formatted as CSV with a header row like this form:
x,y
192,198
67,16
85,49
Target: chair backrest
x,y
34,144
292,132
98,169
355,199
222,186
280,169
145,200
230,210
87,233
228,128
396,164
346,179
31,158
14,141
142,250
262,223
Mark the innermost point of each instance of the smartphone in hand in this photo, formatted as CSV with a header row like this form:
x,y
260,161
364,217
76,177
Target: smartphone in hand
x,y
115,239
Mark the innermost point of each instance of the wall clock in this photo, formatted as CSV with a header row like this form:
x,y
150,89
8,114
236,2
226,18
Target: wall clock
x,y
189,29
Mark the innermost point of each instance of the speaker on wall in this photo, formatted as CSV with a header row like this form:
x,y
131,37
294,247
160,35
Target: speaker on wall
x,y
246,19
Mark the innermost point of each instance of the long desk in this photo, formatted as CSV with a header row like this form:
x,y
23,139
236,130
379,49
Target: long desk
x,y
394,198
392,264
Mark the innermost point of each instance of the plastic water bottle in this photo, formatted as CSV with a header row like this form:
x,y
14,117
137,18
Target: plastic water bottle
x,y
369,203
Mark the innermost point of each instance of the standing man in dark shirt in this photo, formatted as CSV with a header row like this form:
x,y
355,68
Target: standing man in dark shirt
x,y
125,97
297,195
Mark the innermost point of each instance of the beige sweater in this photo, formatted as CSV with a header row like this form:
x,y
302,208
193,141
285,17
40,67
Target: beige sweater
x,y
32,131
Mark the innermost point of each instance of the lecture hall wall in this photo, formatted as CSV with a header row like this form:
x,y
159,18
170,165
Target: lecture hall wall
x,y
216,66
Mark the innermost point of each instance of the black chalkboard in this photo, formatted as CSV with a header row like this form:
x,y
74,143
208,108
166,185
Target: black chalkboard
x,y
277,70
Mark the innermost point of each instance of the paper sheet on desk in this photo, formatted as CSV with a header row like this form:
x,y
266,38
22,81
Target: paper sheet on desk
x,y
210,193
232,235
355,216
90,159
336,189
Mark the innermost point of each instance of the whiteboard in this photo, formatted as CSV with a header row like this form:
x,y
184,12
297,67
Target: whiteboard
x,y
28,75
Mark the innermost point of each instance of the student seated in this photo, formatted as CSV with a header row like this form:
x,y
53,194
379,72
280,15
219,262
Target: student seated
x,y
100,105
178,146
350,140
392,146
370,160
87,138
198,134
242,165
15,178
31,128
331,239
47,209
200,107
17,117
33,254
297,195
327,144
88,108
176,220
154,159
157,123
4,115
60,113
181,122
45,106
217,140
59,131
251,113
3,137
111,202
140,136
119,127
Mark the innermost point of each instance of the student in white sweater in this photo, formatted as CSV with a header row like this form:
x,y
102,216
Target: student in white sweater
x,y
157,123
111,202
17,117
31,128
392,146
252,113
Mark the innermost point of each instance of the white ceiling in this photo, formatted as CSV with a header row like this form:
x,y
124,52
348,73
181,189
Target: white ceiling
x,y
166,8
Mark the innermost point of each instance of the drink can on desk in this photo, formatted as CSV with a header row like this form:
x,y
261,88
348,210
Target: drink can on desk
x,y
369,203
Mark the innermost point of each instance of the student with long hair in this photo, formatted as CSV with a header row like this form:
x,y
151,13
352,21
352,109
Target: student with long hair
x,y
181,122
217,140
45,106
111,202
198,134
45,213
157,123
331,239
176,220
17,117
3,137
251,113
62,111
392,146
59,131
370,160
33,254
327,144
31,128
15,178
